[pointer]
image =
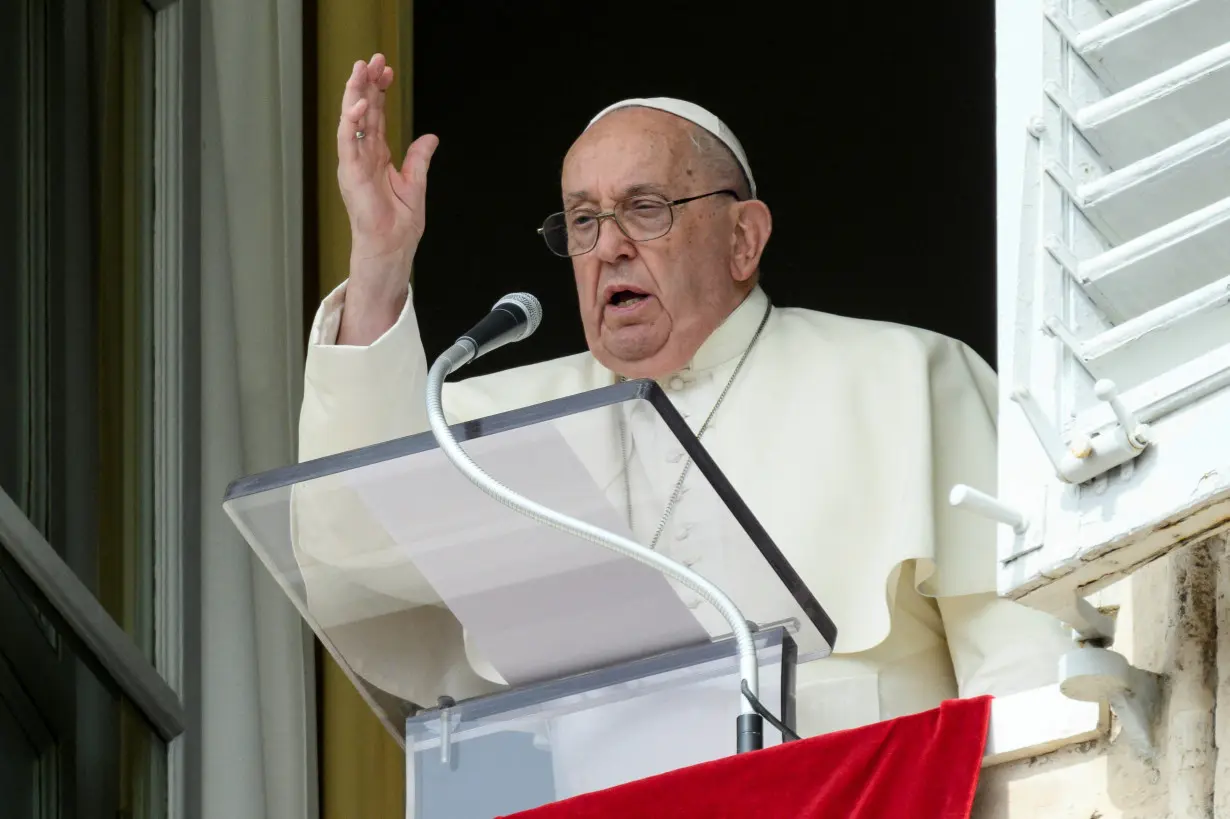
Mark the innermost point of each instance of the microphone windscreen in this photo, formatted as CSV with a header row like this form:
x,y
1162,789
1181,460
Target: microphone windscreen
x,y
528,303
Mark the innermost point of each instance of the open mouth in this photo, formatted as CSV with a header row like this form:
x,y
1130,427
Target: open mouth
x,y
626,298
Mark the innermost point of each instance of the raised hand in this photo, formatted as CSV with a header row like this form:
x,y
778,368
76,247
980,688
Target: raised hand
x,y
385,203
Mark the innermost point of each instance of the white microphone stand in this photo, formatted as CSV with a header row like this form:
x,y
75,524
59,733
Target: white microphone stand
x,y
750,723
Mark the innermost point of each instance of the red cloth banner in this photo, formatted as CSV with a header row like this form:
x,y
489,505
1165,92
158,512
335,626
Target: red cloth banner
x,y
924,766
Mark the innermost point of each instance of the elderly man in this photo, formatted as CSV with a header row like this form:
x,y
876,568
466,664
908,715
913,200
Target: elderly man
x,y
842,435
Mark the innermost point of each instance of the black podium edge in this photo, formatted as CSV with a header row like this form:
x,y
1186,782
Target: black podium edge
x,y
643,389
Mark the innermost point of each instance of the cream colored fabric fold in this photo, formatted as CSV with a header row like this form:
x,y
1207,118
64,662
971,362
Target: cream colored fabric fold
x,y
843,436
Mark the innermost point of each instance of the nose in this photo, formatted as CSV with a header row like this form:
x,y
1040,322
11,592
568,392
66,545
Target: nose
x,y
613,244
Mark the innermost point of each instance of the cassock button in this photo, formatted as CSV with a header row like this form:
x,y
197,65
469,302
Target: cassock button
x,y
676,383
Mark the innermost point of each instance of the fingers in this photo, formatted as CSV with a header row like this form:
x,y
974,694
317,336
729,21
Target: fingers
x,y
380,73
376,117
418,159
410,183
356,117
354,107
351,122
375,68
380,77
355,86
368,80
363,104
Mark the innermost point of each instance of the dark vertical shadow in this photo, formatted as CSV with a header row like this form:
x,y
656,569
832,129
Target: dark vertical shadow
x,y
311,204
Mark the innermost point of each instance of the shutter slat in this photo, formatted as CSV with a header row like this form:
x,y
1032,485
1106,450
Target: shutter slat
x,y
1163,264
1161,188
1152,37
1152,115
1118,6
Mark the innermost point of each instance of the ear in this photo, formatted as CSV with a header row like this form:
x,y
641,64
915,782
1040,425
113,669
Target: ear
x,y
753,224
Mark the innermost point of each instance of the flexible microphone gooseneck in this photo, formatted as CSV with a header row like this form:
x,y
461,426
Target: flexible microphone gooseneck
x,y
518,316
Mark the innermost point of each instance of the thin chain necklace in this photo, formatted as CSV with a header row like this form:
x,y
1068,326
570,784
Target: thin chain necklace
x,y
687,466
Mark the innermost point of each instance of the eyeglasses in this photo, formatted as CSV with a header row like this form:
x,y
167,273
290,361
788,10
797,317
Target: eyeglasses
x,y
641,218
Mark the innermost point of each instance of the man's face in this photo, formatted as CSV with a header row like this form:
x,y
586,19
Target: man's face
x,y
648,306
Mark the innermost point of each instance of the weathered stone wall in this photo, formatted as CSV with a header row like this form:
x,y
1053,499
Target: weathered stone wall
x,y
1174,619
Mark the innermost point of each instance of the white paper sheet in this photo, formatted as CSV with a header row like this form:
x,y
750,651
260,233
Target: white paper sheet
x,y
536,603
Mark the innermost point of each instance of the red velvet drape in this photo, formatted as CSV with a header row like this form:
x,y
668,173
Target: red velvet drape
x,y
923,766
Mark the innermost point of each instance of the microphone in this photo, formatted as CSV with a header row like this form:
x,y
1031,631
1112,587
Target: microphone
x,y
513,318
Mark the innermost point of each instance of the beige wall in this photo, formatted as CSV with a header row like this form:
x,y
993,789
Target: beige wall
x,y
1174,619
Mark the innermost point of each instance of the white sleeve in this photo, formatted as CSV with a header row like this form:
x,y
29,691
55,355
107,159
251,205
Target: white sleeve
x,y
381,615
356,396
329,318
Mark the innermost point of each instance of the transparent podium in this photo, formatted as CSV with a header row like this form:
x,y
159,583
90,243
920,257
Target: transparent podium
x,y
516,664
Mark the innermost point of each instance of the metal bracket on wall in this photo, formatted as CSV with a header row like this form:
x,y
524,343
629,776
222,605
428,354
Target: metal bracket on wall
x,y
1086,457
1092,674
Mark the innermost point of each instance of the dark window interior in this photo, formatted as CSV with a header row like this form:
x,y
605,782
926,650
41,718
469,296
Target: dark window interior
x,y
870,131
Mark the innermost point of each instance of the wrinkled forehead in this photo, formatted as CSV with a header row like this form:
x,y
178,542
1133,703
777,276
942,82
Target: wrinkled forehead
x,y
629,149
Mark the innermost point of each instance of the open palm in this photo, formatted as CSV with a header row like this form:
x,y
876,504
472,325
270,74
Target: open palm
x,y
385,203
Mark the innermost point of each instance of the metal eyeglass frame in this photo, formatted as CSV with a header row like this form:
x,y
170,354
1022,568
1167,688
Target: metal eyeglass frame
x,y
610,214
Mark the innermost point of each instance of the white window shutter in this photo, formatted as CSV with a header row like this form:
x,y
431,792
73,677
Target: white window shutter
x,y
1113,141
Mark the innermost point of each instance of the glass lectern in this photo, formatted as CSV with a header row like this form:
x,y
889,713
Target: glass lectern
x,y
516,664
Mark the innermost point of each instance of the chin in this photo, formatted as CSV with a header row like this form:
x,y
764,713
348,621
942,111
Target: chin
x,y
631,344
630,365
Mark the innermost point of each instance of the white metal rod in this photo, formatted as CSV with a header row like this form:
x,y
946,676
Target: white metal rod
x,y
1105,391
980,503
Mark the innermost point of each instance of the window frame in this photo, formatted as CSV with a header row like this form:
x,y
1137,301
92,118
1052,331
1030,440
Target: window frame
x,y
166,691
104,644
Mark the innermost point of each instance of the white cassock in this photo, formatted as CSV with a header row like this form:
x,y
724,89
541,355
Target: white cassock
x,y
843,436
